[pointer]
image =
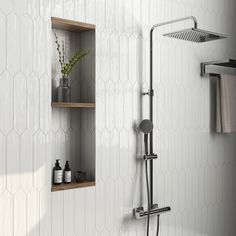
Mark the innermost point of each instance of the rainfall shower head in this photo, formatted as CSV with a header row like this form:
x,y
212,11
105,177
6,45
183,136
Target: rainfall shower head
x,y
146,126
195,35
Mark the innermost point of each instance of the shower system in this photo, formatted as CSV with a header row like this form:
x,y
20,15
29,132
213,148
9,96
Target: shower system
x,y
146,126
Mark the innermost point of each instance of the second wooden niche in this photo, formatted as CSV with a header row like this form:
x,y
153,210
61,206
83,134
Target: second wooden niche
x,y
74,129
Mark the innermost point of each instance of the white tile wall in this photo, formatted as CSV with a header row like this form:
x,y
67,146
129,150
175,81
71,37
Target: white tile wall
x,y
195,173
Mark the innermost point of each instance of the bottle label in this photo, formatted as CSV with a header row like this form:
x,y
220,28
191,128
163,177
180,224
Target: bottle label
x,y
58,176
67,176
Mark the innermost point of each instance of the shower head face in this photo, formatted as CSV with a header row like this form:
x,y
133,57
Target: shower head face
x,y
146,126
195,35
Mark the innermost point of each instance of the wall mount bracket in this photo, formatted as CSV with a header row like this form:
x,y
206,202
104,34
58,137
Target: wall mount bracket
x,y
150,156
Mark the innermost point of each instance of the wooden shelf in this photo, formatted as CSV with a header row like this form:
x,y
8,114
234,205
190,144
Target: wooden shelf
x,y
71,25
62,187
73,105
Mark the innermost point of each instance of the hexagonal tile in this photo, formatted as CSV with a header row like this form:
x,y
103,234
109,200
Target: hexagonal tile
x,y
20,109
20,7
26,163
119,105
45,9
124,56
57,209
56,117
48,38
13,162
115,150
60,147
124,147
101,105
6,6
86,160
110,204
105,159
105,57
90,12
6,102
39,47
114,57
90,210
100,205
128,17
45,104
32,103
119,202
45,211
65,115
110,105
33,8
6,208
119,24
39,160
49,155
13,43
69,206
100,14
26,45
80,211
69,10
20,210
3,163
33,212
128,109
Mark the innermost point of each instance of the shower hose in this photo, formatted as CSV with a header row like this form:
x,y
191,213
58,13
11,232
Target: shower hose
x,y
148,198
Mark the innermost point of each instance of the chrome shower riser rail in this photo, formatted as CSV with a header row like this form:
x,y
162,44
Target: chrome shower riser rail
x,y
140,213
151,92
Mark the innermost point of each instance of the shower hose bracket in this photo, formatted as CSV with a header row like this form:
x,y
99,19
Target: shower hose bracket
x,y
149,93
150,156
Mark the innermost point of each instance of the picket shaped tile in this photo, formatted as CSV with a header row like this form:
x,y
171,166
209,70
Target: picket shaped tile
x,y
13,162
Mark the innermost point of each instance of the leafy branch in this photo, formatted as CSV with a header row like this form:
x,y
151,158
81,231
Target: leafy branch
x,y
66,68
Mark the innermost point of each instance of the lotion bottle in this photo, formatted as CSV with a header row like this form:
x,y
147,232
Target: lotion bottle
x,y
67,173
57,173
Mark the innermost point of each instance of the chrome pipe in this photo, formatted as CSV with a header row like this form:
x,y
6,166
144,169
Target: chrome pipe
x,y
151,94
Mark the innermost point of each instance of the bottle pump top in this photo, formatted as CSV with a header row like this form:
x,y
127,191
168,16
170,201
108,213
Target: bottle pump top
x,y
67,165
57,163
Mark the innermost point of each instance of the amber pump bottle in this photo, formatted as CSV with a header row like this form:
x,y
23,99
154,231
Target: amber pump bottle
x,y
57,173
67,173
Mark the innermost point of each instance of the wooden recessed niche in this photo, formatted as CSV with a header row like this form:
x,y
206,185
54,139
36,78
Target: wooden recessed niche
x,y
74,122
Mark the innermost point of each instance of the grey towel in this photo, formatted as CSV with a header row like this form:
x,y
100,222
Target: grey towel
x,y
226,104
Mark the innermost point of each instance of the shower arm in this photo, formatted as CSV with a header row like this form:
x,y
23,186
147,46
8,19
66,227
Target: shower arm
x,y
151,91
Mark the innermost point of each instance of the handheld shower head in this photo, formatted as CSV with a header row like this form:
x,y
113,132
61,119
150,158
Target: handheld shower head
x,y
146,126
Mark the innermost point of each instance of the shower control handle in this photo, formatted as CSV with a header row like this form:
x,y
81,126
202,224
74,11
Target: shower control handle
x,y
140,213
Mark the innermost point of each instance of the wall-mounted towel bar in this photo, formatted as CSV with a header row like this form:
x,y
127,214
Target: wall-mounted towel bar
x,y
226,67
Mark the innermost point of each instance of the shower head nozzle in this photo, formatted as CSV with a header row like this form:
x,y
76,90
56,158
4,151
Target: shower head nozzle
x,y
195,35
146,126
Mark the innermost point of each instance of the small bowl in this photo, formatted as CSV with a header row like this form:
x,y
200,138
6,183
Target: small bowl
x,y
80,176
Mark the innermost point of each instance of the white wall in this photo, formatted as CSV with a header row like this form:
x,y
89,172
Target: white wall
x,y
195,171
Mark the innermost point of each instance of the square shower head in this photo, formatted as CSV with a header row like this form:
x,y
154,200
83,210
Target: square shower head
x,y
195,35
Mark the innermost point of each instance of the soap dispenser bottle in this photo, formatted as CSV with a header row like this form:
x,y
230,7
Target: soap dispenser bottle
x,y
67,173
57,173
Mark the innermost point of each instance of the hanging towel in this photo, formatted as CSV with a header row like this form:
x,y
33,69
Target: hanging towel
x,y
226,104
